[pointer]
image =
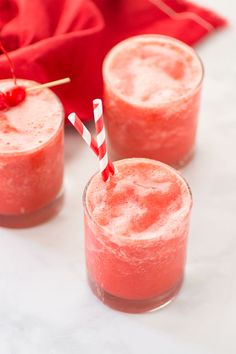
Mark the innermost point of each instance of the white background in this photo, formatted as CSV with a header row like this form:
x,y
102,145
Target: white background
x,y
45,304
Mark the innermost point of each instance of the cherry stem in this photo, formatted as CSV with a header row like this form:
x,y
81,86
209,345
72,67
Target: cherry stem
x,y
9,61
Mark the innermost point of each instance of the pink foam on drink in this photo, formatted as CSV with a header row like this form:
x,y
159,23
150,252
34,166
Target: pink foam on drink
x,y
136,227
151,74
142,200
30,124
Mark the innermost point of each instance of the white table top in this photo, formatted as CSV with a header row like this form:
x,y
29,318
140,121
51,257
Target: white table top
x,y
46,306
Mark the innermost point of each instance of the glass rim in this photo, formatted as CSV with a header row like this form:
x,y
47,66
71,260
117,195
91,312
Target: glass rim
x,y
112,51
125,239
51,138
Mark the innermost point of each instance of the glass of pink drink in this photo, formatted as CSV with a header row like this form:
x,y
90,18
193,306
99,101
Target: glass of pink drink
x,y
136,228
31,157
152,86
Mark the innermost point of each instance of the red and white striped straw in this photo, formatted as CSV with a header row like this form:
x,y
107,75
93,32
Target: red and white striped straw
x,y
101,138
87,136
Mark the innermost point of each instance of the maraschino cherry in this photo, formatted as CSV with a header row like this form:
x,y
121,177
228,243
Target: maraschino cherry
x,y
14,95
17,94
3,102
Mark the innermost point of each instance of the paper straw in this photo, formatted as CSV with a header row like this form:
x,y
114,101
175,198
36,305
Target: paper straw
x,y
87,136
101,138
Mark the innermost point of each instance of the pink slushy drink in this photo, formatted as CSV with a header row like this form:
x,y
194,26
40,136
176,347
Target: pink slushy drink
x,y
136,228
31,157
152,86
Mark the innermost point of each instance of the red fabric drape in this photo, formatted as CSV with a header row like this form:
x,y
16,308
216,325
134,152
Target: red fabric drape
x,y
48,39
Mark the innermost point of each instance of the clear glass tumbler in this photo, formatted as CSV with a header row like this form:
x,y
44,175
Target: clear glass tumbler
x,y
152,87
136,229
31,158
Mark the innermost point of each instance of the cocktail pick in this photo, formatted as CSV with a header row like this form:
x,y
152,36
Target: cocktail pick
x,y
49,84
15,95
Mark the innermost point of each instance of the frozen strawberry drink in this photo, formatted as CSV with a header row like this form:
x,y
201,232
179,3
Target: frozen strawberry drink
x,y
136,228
152,86
31,157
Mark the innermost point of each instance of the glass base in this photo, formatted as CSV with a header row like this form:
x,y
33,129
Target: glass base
x,y
134,306
35,218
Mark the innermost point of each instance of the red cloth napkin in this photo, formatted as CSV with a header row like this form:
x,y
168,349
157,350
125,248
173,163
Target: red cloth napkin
x,y
49,40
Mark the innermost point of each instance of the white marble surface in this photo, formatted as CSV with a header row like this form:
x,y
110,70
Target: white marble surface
x,y
45,304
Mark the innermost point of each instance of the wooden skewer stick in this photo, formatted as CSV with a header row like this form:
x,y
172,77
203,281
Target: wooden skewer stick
x,y
49,84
